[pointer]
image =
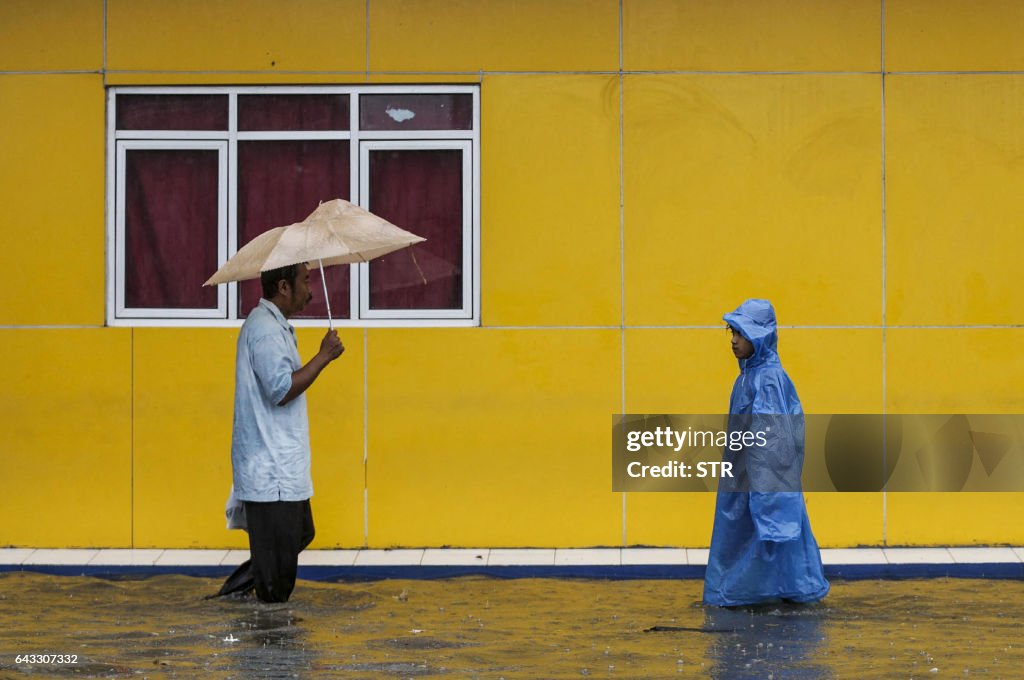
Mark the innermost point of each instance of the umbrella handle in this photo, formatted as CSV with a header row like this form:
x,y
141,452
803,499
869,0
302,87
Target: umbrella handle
x,y
323,280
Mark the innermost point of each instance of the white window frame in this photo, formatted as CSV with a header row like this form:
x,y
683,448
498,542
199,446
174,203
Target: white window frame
x,y
226,141
120,256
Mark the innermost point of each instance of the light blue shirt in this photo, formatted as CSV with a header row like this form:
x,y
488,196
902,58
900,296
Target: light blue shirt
x,y
269,443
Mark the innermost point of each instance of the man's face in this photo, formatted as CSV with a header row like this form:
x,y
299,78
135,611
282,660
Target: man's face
x,y
299,295
741,347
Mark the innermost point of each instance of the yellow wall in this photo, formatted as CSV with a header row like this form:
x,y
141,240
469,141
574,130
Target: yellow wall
x,y
646,166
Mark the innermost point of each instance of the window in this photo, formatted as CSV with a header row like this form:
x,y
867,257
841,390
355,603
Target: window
x,y
195,173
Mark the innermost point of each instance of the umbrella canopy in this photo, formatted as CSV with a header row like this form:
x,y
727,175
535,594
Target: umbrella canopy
x,y
337,232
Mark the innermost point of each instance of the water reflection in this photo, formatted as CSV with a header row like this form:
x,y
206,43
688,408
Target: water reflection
x,y
268,641
776,642
488,628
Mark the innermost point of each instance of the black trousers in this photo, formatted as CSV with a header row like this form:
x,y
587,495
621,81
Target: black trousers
x,y
278,532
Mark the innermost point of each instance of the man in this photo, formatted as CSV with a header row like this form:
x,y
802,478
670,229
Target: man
x,y
762,548
270,455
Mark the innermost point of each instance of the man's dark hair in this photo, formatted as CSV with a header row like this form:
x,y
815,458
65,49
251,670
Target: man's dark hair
x,y
270,278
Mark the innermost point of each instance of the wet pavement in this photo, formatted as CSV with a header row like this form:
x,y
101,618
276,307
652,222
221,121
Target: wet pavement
x,y
480,627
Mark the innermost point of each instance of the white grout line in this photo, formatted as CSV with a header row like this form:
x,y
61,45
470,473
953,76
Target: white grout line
x,y
954,73
622,257
484,72
234,557
366,439
697,556
897,327
69,72
620,37
131,436
366,39
885,499
105,23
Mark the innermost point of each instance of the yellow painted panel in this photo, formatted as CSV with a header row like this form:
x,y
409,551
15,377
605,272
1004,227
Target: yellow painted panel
x,y
671,370
492,437
51,133
183,397
954,150
57,35
846,519
838,370
738,35
670,519
336,409
955,518
835,370
954,35
184,403
955,371
66,420
852,384
466,35
675,371
685,519
752,186
550,250
261,35
693,370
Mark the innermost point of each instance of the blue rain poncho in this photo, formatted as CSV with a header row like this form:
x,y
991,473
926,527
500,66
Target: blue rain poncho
x,y
762,548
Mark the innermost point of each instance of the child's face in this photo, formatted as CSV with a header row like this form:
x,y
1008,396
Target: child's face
x,y
741,347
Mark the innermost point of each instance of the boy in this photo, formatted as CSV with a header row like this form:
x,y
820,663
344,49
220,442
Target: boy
x,y
762,548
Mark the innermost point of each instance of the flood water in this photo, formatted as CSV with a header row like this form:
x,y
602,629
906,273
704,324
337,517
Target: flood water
x,y
479,627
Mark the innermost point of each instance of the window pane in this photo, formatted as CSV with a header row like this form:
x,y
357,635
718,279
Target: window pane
x,y
172,112
416,112
420,191
281,182
293,112
170,228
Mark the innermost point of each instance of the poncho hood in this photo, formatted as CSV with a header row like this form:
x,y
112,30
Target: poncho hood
x,y
755,321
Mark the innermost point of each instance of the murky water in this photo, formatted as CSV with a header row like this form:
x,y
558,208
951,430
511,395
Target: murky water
x,y
493,628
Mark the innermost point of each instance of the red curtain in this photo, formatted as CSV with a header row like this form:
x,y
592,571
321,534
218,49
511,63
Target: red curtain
x,y
170,228
420,191
172,112
281,182
293,112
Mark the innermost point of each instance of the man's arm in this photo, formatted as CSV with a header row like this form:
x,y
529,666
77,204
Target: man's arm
x,y
330,349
